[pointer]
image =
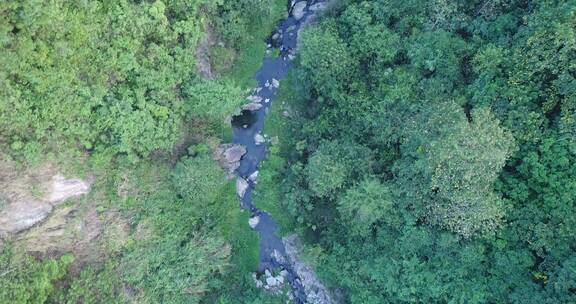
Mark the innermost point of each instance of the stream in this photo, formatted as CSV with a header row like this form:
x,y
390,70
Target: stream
x,y
247,131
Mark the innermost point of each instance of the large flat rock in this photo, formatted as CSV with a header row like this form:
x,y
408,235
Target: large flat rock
x,y
24,210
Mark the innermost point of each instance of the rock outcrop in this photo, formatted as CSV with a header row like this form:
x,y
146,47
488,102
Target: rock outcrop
x,y
24,211
259,139
229,156
316,293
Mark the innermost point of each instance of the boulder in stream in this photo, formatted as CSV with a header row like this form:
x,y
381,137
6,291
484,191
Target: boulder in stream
x,y
298,10
253,221
259,139
253,106
253,177
241,187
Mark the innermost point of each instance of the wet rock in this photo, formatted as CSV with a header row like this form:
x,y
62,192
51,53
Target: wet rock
x,y
298,10
254,106
254,99
272,282
259,139
253,177
253,221
241,187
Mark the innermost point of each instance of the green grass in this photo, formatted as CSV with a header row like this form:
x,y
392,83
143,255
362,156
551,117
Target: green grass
x,y
234,227
237,286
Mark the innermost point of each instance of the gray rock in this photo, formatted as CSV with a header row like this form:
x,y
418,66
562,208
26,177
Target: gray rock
x,y
233,153
259,139
272,282
253,221
316,293
63,188
22,214
253,177
298,10
19,216
253,106
241,187
229,155
275,83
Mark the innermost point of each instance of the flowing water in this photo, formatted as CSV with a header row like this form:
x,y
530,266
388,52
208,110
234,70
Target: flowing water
x,y
250,123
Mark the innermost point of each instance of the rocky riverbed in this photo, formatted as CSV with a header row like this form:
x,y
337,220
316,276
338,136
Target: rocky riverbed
x,y
279,261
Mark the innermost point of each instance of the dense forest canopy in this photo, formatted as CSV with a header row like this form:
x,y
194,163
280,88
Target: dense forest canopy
x,y
436,150
429,154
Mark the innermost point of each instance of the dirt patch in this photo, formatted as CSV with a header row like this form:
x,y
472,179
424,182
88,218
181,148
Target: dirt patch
x,y
203,65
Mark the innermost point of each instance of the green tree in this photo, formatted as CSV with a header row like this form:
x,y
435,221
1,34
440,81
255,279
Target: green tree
x,y
25,279
366,204
464,166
